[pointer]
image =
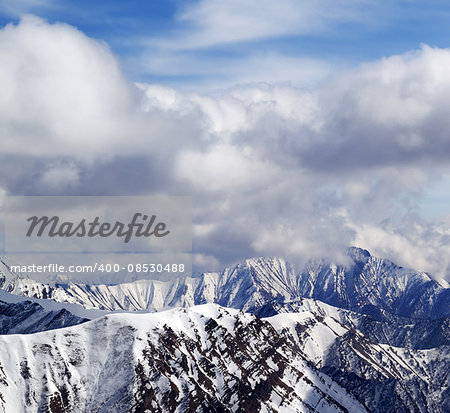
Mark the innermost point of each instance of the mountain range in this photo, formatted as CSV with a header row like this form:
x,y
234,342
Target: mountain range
x,y
257,336
370,285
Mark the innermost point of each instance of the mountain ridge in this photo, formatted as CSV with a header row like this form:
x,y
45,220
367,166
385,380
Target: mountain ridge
x,y
205,358
369,285
211,358
276,350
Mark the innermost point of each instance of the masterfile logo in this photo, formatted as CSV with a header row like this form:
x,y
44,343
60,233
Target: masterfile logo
x,y
98,238
94,228
97,224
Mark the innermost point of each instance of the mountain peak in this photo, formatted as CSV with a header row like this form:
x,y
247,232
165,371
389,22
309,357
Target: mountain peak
x,y
358,255
369,285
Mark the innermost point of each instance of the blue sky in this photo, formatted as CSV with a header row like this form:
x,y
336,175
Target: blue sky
x,y
194,44
298,127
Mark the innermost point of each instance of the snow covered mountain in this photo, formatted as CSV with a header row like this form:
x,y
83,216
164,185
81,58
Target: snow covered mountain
x,y
203,359
383,377
208,358
372,283
245,286
365,353
26,317
386,328
370,286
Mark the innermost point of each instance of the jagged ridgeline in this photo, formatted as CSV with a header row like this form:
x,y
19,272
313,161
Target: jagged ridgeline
x,y
371,286
369,337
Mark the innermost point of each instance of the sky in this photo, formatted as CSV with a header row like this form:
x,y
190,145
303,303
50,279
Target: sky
x,y
299,128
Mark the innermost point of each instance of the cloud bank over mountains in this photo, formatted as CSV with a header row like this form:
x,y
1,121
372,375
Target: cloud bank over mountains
x,y
272,169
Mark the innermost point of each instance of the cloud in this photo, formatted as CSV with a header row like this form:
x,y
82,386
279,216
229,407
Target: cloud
x,y
61,91
272,169
64,94
332,163
213,22
214,44
17,8
60,175
392,114
225,168
223,72
415,244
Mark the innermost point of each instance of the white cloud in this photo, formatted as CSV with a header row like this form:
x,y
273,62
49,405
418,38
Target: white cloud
x,y
206,261
62,92
423,246
272,169
226,168
224,72
17,8
61,175
213,22
236,32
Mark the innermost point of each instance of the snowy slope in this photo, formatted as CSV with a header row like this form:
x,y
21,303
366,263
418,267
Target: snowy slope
x,y
245,286
50,305
384,378
372,283
27,317
134,296
391,379
385,328
204,359
215,359
370,286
